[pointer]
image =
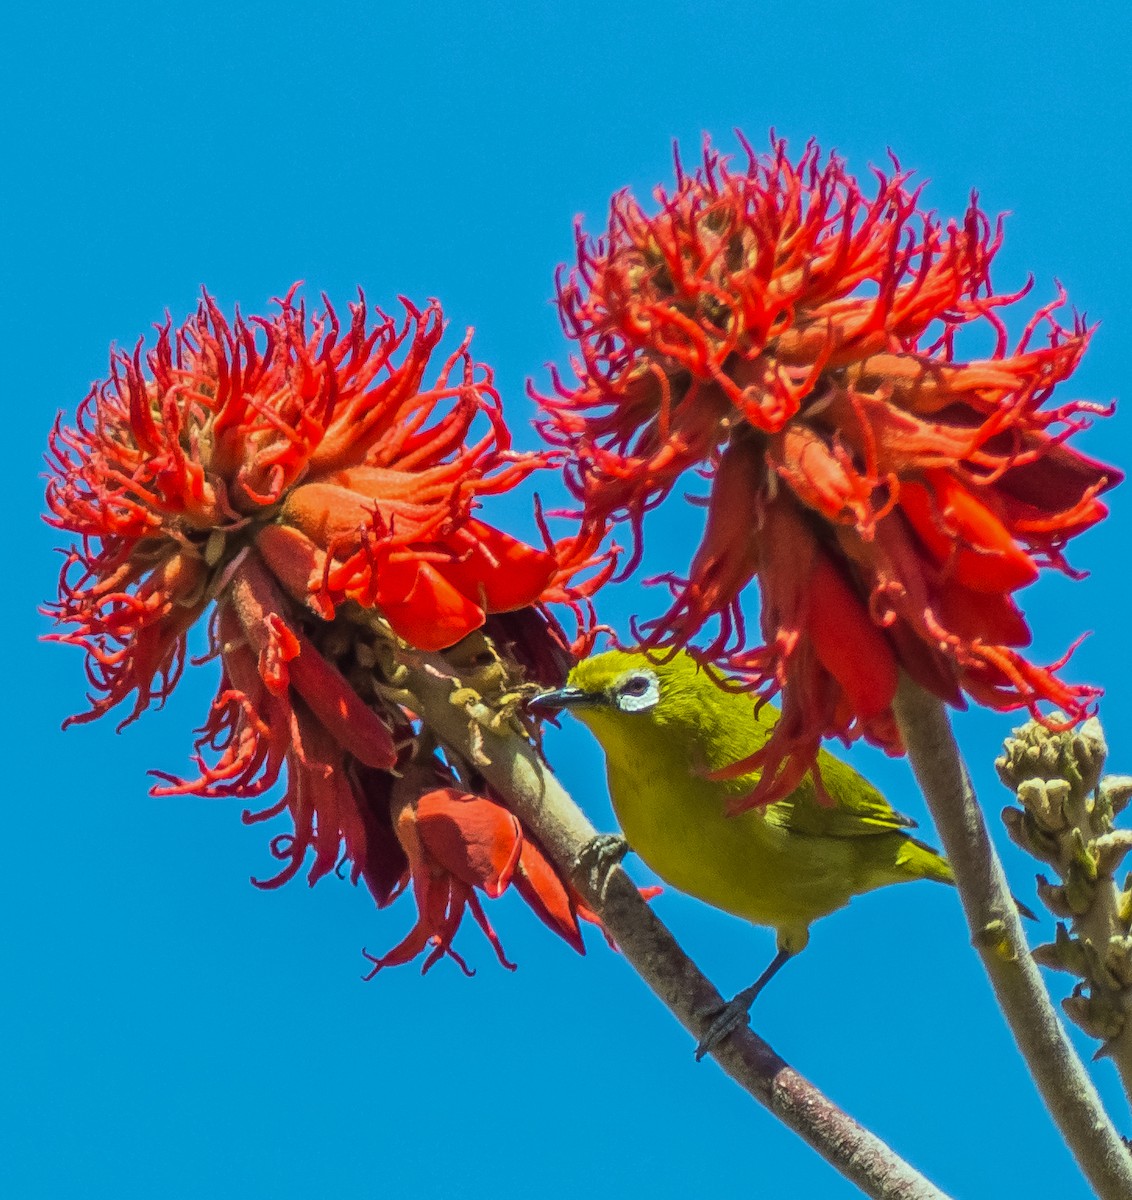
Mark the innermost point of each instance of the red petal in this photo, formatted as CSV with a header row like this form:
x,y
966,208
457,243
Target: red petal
x,y
976,615
1057,480
804,460
424,608
440,907
288,657
383,863
471,837
296,562
280,649
326,513
353,724
961,533
928,666
850,646
539,885
497,570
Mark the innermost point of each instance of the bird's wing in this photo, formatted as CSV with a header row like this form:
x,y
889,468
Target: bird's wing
x,y
859,809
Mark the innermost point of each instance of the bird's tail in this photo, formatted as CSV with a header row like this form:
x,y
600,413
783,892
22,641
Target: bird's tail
x,y
921,861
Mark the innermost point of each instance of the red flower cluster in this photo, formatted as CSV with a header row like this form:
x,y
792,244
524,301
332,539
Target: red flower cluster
x,y
798,342
294,478
454,843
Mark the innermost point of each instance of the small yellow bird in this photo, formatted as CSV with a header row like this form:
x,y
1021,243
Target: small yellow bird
x,y
664,726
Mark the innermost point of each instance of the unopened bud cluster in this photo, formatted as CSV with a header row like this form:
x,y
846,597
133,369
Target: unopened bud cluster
x,y
1067,820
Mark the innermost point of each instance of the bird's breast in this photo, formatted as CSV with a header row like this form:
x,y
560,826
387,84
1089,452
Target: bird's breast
x,y
675,821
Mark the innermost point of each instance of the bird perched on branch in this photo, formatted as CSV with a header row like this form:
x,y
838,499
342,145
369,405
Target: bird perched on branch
x,y
666,727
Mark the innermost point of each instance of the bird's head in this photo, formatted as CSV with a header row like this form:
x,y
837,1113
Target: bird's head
x,y
628,687
642,706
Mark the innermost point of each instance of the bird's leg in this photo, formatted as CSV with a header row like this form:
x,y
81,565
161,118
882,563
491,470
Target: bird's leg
x,y
737,1012
600,855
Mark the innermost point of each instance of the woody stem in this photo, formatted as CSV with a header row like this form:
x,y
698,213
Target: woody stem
x,y
997,934
516,772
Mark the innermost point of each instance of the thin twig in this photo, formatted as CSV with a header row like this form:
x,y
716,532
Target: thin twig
x,y
997,934
516,772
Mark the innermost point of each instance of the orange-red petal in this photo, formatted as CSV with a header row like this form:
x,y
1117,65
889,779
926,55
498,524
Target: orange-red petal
x,y
962,534
541,887
850,646
497,571
423,607
471,837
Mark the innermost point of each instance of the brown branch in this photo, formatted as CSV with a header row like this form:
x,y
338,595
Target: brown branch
x,y
515,770
997,934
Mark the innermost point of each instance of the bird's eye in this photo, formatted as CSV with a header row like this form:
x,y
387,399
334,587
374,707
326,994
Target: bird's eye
x,y
637,686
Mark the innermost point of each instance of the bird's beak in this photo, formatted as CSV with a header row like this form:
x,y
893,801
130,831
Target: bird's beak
x,y
564,697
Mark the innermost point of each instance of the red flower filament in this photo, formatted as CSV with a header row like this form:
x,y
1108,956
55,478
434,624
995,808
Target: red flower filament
x,y
797,341
298,479
456,843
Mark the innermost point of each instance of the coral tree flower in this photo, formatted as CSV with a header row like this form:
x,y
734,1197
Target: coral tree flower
x,y
798,342
291,478
457,842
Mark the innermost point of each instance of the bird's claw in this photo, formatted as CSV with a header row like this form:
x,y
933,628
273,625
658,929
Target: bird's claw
x,y
600,855
731,1016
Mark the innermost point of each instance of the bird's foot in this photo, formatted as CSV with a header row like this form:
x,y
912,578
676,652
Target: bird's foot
x,y
737,1012
733,1015
600,855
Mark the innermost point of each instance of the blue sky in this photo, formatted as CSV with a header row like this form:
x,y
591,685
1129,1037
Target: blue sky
x,y
170,1030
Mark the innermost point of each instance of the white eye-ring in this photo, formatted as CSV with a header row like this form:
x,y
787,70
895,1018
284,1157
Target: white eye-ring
x,y
638,691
